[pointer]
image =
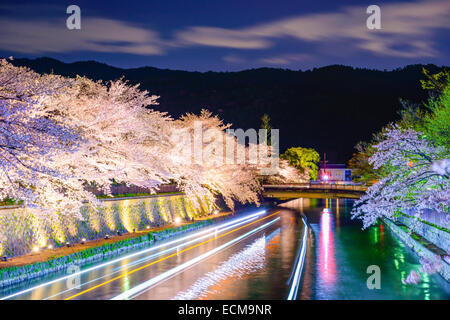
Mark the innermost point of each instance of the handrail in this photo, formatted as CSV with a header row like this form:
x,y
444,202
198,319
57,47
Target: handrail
x,y
317,186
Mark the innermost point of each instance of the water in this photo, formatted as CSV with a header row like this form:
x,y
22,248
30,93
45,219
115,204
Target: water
x,y
260,265
340,253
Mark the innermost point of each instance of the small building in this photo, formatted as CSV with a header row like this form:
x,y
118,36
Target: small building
x,y
334,173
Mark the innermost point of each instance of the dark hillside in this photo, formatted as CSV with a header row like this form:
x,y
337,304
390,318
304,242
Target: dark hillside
x,y
329,108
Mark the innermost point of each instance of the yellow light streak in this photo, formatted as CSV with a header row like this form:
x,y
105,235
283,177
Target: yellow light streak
x,y
166,257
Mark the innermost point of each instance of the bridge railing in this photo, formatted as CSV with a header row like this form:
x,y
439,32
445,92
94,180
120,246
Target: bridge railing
x,y
317,186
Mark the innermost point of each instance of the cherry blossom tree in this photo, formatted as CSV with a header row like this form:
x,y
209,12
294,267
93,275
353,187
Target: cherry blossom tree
x,y
202,166
418,177
122,139
57,134
31,141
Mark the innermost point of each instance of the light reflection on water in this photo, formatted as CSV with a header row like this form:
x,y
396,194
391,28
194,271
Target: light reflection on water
x,y
337,257
242,264
326,263
343,252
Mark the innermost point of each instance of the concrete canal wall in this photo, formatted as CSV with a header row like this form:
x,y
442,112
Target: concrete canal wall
x,y
433,226
418,247
21,229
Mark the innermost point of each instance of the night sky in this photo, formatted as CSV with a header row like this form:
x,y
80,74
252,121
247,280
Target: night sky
x,y
229,35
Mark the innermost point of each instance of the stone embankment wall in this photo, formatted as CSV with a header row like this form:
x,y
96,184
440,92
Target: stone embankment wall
x,y
433,226
23,230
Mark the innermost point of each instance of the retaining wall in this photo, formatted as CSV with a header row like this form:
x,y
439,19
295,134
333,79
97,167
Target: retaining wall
x,y
22,229
417,247
434,226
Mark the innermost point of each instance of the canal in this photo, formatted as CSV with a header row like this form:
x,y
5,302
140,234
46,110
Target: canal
x,y
340,252
254,256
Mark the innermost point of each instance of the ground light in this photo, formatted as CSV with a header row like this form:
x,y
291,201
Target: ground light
x,y
177,220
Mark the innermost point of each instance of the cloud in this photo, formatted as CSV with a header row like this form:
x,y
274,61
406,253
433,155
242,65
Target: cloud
x,y
218,37
232,58
407,30
96,34
285,59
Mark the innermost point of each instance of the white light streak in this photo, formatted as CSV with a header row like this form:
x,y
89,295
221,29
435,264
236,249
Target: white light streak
x,y
133,291
194,235
299,268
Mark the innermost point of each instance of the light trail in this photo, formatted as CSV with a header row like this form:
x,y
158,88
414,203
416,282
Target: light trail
x,y
299,268
152,248
167,257
247,261
164,275
137,262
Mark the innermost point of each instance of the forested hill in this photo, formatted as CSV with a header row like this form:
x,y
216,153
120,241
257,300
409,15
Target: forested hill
x,y
329,108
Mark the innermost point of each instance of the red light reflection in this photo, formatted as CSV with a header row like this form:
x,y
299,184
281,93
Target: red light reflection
x,y
327,263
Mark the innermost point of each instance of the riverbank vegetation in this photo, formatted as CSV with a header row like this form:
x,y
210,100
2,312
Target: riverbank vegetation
x,y
304,159
408,162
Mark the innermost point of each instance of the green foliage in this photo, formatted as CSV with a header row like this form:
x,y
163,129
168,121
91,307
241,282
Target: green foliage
x,y
432,118
265,124
436,123
436,82
363,171
304,159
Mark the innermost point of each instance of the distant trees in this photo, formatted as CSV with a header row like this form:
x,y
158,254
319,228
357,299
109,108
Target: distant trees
x,y
363,170
304,159
265,124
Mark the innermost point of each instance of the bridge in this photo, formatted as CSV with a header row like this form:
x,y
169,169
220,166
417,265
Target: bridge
x,y
287,191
